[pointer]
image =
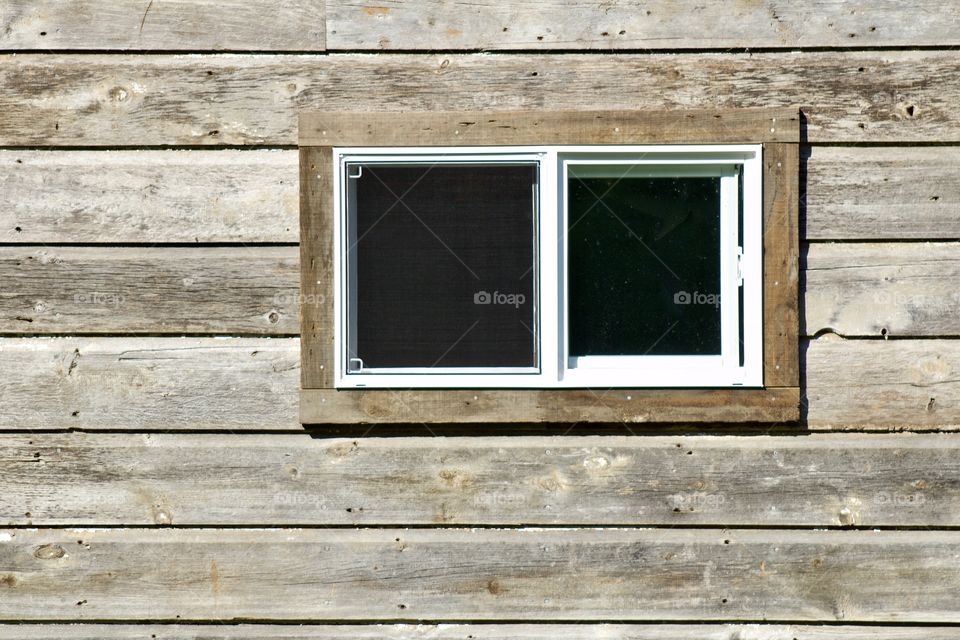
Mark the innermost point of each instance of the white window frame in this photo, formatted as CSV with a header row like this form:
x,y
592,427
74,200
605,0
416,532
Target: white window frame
x,y
555,368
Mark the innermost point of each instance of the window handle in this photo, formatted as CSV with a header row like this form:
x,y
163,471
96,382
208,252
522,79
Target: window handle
x,y
354,365
359,172
739,266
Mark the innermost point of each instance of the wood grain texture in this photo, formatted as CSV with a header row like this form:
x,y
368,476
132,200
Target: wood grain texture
x,y
148,196
564,406
621,24
856,193
253,384
856,289
288,480
461,128
883,289
316,267
194,25
882,193
883,384
483,574
162,384
223,631
62,290
781,265
108,100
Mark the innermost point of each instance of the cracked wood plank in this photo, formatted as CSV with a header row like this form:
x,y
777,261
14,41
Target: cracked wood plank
x,y
882,289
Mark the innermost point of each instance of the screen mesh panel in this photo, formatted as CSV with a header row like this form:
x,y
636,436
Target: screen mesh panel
x,y
442,265
644,265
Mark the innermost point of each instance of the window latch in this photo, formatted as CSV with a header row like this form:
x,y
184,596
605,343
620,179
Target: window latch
x,y
739,266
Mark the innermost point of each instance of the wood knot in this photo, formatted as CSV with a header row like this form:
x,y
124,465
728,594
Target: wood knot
x,y
49,552
454,478
118,94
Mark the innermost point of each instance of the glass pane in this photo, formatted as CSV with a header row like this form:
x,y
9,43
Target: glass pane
x,y
442,265
643,263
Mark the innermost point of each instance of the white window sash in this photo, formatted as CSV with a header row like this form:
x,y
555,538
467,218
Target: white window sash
x,y
556,369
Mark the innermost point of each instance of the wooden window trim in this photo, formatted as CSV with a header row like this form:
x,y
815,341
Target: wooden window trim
x,y
777,129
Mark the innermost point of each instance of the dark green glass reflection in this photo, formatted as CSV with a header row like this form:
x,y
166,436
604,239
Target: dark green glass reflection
x,y
644,264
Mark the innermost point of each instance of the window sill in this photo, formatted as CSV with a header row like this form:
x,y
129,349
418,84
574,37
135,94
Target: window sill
x,y
630,406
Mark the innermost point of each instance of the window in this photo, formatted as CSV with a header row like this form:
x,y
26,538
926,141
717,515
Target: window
x,y
588,266
617,266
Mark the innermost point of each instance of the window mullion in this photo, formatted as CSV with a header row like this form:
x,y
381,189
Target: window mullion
x,y
550,271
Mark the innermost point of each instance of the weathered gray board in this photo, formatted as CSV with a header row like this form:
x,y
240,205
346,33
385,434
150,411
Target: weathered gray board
x,y
49,197
251,384
623,24
222,631
116,100
479,574
856,289
820,480
245,25
193,25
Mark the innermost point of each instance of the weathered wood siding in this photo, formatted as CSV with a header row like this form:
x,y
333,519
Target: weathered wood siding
x,y
155,481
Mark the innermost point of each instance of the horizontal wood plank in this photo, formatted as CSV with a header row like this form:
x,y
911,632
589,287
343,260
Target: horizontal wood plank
x,y
164,384
292,479
148,196
253,384
109,100
245,290
882,384
567,406
893,290
485,574
857,193
488,631
194,25
461,128
857,289
865,193
622,24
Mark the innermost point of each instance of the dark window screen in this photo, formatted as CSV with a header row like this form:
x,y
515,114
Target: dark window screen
x,y
644,265
442,265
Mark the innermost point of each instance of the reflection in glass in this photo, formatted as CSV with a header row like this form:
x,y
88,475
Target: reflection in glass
x,y
644,263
